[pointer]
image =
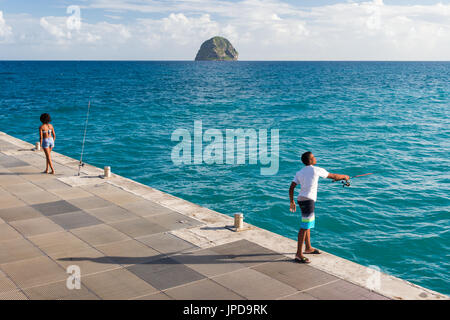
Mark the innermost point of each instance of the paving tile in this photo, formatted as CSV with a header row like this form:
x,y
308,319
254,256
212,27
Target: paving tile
x,y
247,252
6,284
167,243
37,197
7,146
8,233
59,243
19,213
17,249
101,189
73,220
25,187
165,273
8,179
4,171
254,285
343,290
55,184
129,252
138,227
173,221
145,208
91,202
118,284
100,234
299,276
9,201
3,192
34,272
120,197
63,170
89,261
13,162
208,262
38,177
59,291
35,226
25,169
111,214
13,295
202,290
55,207
70,193
154,296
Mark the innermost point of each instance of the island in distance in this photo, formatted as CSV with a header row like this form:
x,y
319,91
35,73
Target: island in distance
x,y
216,49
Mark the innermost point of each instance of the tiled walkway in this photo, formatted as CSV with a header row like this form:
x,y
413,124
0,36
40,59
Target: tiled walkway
x,y
126,247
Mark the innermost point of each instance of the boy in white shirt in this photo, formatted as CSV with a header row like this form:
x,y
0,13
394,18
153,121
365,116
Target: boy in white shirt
x,y
308,178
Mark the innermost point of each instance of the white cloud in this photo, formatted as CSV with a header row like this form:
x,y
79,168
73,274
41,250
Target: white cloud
x,y
103,33
259,29
183,29
272,29
54,29
5,30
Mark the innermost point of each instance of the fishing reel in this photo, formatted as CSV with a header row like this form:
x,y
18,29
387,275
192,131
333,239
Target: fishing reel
x,y
80,165
345,183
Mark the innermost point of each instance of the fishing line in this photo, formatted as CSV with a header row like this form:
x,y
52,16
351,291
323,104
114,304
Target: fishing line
x,y
81,164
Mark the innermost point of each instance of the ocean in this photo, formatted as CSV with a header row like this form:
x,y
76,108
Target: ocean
x,y
387,118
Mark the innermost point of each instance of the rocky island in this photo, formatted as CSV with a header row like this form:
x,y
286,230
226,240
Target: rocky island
x,y
216,49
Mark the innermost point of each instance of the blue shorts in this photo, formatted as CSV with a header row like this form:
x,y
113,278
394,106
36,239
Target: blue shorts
x,y
308,217
48,143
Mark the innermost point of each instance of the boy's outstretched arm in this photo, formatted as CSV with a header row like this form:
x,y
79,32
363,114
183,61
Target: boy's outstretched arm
x,y
337,177
291,197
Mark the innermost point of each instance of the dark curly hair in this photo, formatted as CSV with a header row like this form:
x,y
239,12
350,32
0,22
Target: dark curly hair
x,y
306,158
45,118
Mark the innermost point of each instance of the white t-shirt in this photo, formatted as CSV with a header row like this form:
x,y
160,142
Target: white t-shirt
x,y
308,179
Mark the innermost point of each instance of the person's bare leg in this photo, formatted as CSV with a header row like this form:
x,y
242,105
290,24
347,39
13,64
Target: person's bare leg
x,y
50,160
47,153
308,247
301,239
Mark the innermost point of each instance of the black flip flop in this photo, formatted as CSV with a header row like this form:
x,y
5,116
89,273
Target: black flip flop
x,y
301,260
316,251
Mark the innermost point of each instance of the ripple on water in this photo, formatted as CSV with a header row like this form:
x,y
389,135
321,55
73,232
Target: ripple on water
x,y
356,117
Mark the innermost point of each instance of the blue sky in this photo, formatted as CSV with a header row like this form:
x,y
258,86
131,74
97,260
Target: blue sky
x,y
259,29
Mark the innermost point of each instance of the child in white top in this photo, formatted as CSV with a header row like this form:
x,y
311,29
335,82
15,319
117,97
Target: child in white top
x,y
308,178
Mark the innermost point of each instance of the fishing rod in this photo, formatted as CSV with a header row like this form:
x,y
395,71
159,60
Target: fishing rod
x,y
346,183
81,164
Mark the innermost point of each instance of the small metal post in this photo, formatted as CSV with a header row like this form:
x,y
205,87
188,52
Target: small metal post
x,y
38,146
238,221
107,172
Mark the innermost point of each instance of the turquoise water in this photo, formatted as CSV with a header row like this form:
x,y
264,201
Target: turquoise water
x,y
391,118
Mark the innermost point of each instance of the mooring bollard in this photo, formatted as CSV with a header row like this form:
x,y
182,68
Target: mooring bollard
x,y
107,173
238,220
38,146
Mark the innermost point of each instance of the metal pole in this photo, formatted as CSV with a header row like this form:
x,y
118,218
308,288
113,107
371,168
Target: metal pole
x,y
84,139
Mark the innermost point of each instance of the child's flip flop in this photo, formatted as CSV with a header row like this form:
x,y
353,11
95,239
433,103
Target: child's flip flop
x,y
301,260
316,251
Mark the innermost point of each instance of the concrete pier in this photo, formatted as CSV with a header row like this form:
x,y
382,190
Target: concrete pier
x,y
130,241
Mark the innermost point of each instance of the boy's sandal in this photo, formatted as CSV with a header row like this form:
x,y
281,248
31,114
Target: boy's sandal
x,y
302,260
316,251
